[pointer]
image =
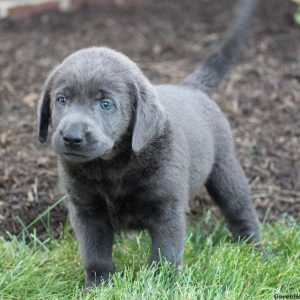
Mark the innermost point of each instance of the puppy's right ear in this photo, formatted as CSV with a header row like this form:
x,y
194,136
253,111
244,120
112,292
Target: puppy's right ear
x,y
44,109
44,114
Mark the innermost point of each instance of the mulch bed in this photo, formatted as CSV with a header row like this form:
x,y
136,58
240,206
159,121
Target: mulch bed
x,y
261,97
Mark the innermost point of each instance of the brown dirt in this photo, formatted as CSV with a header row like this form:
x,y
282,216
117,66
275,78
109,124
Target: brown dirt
x,y
261,97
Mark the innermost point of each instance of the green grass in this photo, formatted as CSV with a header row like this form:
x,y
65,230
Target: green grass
x,y
214,268
297,13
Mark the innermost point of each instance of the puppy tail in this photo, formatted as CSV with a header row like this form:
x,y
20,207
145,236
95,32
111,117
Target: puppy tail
x,y
210,73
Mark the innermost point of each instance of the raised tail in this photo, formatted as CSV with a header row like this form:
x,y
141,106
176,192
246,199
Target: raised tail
x,y
210,73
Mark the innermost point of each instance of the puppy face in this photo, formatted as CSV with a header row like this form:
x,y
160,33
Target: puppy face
x,y
92,100
91,108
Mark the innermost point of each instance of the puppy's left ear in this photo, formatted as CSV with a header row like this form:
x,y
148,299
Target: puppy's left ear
x,y
150,117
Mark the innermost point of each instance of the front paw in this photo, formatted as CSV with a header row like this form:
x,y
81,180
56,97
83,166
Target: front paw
x,y
97,276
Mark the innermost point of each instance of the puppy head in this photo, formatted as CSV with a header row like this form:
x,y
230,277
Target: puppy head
x,y
92,99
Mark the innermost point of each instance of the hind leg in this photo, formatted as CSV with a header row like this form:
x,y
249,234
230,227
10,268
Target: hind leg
x,y
229,188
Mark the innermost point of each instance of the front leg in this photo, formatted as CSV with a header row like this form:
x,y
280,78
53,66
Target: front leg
x,y
95,237
167,236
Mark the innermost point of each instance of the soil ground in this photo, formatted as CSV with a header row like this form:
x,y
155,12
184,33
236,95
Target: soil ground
x,y
261,96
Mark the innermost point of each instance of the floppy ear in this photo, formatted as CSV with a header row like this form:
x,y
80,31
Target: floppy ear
x,y
150,117
44,109
44,114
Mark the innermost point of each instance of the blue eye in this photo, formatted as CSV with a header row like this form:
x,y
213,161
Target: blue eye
x,y
106,104
62,100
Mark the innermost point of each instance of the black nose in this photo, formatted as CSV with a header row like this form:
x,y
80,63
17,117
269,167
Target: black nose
x,y
73,138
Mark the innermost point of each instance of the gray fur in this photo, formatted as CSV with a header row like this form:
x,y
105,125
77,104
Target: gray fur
x,y
137,165
211,72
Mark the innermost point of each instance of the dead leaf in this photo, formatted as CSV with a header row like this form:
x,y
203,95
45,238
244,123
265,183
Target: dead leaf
x,y
31,99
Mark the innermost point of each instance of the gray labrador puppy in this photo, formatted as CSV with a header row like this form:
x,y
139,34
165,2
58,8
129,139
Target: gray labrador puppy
x,y
131,154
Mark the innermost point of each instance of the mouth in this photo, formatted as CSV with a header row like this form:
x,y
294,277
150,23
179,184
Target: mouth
x,y
74,154
83,153
82,157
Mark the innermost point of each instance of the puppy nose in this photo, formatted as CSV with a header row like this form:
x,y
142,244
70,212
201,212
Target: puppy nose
x,y
73,138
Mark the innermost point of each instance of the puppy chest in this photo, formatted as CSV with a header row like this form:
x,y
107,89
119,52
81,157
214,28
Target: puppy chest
x,y
130,207
127,200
